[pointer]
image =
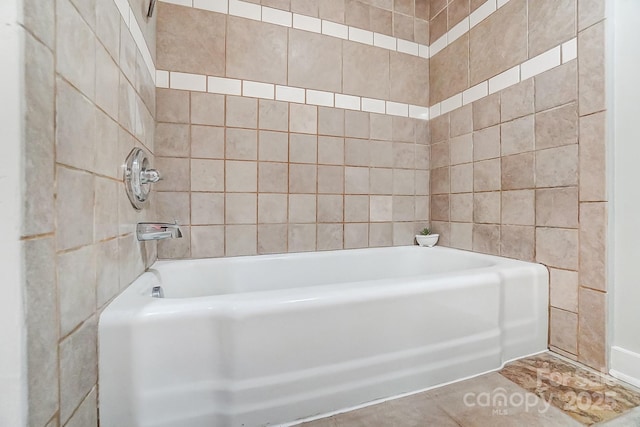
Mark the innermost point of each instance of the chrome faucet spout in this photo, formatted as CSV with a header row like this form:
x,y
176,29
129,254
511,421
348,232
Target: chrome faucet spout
x,y
157,231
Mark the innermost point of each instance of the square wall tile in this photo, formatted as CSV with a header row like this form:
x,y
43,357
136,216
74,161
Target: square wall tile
x,y
563,285
330,237
274,115
518,207
486,239
518,171
207,241
517,242
206,142
206,208
272,238
303,148
273,146
241,208
302,237
240,177
557,127
78,367
273,177
592,336
206,109
242,112
593,246
74,208
207,175
303,118
302,208
557,167
518,136
241,240
557,207
517,101
557,247
563,326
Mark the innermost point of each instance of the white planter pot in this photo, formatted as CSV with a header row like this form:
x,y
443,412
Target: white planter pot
x,y
429,240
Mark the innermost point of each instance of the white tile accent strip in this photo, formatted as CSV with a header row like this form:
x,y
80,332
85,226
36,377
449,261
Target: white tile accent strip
x,y
188,3
458,31
397,109
434,111
347,102
276,16
307,23
225,86
534,66
475,92
410,48
245,10
252,89
384,41
504,80
451,104
335,29
437,46
290,94
162,79
418,112
541,63
482,13
186,81
373,105
257,89
129,19
569,50
220,6
360,36
220,85
318,97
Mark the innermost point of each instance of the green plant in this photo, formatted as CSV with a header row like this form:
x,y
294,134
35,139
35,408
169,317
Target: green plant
x,y
425,231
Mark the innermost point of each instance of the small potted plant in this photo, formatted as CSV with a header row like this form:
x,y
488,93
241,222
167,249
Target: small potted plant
x,y
425,238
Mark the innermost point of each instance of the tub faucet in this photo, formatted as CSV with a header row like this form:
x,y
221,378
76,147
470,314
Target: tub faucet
x,y
157,231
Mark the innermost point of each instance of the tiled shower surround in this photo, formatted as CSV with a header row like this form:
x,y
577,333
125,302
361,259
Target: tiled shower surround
x,y
248,176
90,98
517,170
522,172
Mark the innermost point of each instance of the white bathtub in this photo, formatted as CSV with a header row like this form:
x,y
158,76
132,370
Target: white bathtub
x,y
265,340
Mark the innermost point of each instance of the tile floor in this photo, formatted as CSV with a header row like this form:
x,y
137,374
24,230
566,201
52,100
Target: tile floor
x,y
542,390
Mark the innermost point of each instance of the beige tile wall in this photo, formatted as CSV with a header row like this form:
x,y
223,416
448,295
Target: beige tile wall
x,y
89,100
208,43
247,176
405,19
521,173
252,176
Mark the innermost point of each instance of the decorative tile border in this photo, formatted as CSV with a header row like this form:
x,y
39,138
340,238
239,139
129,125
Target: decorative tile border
x,y
130,20
253,89
477,16
552,58
306,23
334,29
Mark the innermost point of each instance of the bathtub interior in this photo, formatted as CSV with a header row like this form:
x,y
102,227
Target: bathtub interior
x,y
195,278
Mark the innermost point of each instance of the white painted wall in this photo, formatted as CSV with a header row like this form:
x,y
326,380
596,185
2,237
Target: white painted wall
x,y
13,390
625,215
